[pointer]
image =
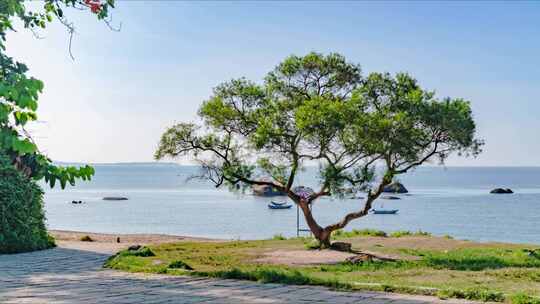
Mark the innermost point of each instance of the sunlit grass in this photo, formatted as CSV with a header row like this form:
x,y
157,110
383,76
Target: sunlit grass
x,y
458,269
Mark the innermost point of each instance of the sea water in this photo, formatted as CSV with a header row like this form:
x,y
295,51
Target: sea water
x,y
442,200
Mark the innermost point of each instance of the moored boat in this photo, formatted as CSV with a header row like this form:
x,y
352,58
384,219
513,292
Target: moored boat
x,y
384,211
272,206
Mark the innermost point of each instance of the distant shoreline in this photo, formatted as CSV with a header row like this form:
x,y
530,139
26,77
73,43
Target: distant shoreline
x,y
143,238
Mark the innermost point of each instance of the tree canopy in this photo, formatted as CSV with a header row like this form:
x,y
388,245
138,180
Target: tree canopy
x,y
19,92
361,131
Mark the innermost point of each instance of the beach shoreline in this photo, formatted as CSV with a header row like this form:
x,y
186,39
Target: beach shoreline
x,y
142,238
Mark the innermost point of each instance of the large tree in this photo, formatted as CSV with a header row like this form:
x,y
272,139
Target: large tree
x,y
19,92
362,132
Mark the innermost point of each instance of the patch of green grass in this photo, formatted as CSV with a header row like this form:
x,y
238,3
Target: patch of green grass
x,y
180,265
481,294
474,271
402,233
476,259
521,298
341,234
312,244
279,237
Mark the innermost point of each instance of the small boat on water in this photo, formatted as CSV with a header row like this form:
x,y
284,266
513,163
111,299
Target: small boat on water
x,y
278,203
384,211
273,206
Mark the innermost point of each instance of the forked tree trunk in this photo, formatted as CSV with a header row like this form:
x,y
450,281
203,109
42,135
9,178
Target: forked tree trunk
x,y
323,234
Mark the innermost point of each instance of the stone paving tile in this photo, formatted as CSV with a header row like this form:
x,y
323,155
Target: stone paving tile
x,y
63,275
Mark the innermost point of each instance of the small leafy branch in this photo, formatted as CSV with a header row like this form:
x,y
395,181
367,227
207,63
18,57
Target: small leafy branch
x,y
19,92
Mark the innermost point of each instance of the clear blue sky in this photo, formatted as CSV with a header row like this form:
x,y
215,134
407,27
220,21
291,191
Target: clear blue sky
x,y
124,88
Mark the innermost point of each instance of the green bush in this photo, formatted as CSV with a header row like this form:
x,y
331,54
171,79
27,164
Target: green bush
x,y
22,219
180,265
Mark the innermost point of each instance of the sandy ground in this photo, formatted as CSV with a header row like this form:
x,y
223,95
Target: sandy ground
x,y
107,243
64,235
303,257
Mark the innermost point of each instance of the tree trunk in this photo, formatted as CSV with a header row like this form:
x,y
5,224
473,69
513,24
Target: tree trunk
x,y
322,235
324,239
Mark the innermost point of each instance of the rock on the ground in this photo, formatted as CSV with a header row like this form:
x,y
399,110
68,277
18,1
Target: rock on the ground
x,y
368,257
134,247
341,246
395,187
501,191
360,258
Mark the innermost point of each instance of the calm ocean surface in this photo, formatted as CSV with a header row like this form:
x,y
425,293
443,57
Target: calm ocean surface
x,y
452,200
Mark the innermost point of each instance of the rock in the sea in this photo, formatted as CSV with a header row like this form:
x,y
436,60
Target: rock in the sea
x,y
115,198
395,187
265,190
389,197
501,191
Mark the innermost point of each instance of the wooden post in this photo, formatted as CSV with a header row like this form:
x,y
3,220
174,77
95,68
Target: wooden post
x,y
297,221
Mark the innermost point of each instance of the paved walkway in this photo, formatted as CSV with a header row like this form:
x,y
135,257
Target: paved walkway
x,y
75,275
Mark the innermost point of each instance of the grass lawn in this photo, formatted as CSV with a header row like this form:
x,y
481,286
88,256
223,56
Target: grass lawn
x,y
429,265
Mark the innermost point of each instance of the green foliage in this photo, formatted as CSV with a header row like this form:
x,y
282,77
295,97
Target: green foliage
x,y
22,219
319,108
19,92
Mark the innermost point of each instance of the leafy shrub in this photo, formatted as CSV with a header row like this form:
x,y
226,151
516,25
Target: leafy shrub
x,y
86,238
279,237
22,219
180,265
